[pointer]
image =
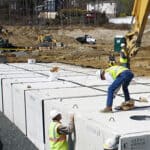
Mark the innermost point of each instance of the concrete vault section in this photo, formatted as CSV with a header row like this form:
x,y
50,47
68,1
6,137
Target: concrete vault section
x,y
29,92
93,126
35,108
16,71
11,76
8,90
19,98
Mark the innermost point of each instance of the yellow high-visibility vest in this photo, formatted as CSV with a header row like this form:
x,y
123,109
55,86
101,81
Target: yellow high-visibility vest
x,y
56,140
123,60
114,71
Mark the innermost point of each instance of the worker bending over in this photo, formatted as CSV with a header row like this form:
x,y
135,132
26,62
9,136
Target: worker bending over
x,y
58,132
117,76
124,60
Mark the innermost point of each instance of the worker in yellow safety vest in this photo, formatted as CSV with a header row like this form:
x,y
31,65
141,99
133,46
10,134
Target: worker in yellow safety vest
x,y
112,60
117,76
58,132
124,60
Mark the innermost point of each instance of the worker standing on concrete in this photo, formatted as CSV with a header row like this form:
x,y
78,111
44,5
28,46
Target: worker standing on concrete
x,y
58,132
112,60
123,56
117,76
53,74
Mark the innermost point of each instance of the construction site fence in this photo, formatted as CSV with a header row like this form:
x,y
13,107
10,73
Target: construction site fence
x,y
20,18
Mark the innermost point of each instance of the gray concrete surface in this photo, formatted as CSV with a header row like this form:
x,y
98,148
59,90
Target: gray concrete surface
x,y
11,138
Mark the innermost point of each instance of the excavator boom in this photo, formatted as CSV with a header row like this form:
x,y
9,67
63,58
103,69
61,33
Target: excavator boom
x,y
140,14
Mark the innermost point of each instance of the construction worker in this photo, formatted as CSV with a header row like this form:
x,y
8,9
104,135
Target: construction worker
x,y
40,38
117,76
58,132
53,74
123,56
112,60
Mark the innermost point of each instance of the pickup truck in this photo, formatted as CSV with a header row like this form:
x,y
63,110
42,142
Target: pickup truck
x,y
86,39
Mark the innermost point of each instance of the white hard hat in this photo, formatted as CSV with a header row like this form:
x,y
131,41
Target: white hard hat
x,y
54,113
122,44
110,144
99,73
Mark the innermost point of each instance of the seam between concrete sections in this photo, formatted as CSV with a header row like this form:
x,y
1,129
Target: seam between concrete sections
x,y
146,84
71,97
12,102
43,120
25,105
2,95
34,89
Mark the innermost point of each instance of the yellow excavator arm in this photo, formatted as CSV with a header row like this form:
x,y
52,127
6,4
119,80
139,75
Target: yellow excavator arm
x,y
140,14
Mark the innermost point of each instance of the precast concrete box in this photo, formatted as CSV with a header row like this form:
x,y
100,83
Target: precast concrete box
x,y
77,105
129,129
35,105
16,76
19,98
7,84
88,134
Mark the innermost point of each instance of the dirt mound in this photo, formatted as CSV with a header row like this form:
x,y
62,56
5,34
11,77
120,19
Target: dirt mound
x,y
117,26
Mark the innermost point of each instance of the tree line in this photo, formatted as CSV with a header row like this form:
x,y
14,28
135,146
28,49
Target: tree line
x,y
16,10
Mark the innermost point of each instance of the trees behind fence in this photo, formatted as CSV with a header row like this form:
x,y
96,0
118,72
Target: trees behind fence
x,y
54,12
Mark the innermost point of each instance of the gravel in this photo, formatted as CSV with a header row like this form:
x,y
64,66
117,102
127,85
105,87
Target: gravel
x,y
11,138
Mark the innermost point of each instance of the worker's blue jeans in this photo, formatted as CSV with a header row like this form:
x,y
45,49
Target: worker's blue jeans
x,y
123,79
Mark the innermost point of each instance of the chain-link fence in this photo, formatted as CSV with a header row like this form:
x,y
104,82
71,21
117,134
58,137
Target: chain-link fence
x,y
51,12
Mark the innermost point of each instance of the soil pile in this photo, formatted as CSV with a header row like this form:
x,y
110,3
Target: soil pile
x,y
73,52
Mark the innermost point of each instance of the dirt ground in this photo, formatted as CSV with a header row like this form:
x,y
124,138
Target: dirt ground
x,y
73,52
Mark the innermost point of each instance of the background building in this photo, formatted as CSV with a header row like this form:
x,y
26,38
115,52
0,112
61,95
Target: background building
x,y
107,6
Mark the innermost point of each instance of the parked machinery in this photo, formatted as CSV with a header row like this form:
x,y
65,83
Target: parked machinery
x,y
86,39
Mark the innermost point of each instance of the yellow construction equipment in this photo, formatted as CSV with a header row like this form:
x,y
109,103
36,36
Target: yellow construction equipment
x,y
140,14
46,41
132,39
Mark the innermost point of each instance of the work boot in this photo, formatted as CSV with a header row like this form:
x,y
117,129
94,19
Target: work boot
x,y
106,110
125,108
131,102
127,105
